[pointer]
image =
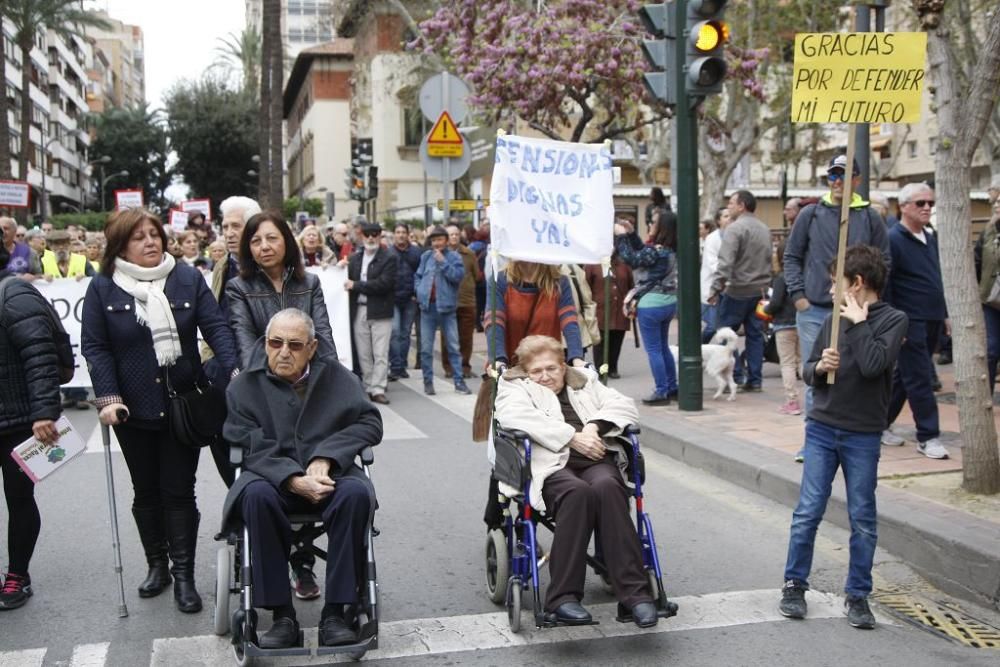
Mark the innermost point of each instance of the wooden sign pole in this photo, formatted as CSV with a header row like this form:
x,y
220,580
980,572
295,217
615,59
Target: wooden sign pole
x,y
845,216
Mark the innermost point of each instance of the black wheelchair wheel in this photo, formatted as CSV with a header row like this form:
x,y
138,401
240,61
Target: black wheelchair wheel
x,y
514,604
497,566
223,586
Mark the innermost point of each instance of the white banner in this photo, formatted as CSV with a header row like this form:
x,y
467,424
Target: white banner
x,y
338,308
551,201
66,296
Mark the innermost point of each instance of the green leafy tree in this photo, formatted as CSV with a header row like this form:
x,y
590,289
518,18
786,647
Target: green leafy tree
x,y
213,130
242,52
30,18
136,141
293,204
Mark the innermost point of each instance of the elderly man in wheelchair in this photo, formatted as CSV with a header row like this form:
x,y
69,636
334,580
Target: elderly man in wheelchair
x,y
577,474
301,419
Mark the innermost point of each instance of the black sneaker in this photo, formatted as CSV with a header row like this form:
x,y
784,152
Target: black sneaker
x,y
304,582
15,592
793,599
859,615
462,388
429,388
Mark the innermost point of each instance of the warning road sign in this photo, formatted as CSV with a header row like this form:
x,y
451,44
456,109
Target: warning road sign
x,y
444,139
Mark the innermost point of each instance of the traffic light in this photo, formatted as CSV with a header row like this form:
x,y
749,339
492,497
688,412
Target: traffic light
x,y
371,191
355,182
706,33
661,54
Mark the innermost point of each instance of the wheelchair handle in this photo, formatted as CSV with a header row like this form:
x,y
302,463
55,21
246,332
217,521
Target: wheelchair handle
x,y
632,429
367,456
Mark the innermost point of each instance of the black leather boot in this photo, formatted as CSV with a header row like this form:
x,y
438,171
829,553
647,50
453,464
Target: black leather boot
x,y
182,536
149,521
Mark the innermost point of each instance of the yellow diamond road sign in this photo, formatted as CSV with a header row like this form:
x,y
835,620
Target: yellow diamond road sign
x,y
444,139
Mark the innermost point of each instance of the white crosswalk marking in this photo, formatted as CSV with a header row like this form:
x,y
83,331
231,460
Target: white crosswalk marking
x,y
29,658
453,634
90,655
396,427
458,404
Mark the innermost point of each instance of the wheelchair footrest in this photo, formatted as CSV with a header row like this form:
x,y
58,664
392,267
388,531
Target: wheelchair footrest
x,y
251,648
548,620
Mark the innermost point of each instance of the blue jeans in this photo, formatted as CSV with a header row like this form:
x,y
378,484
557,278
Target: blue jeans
x,y
912,378
992,317
654,327
399,345
809,322
732,313
709,315
857,454
430,321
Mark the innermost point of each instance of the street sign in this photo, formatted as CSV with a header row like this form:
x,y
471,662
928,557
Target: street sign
x,y
444,92
15,193
444,139
435,166
463,204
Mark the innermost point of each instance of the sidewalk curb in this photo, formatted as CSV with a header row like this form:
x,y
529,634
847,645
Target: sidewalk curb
x,y
960,553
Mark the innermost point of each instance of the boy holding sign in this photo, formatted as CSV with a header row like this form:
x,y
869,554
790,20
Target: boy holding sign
x,y
844,428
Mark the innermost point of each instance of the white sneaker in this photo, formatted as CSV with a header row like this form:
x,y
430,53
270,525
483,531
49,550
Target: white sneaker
x,y
891,439
933,449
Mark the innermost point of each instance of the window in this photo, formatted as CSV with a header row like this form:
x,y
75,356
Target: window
x,y
932,145
911,149
413,127
15,143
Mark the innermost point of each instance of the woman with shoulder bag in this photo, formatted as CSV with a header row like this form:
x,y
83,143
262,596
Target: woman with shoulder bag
x,y
141,316
988,269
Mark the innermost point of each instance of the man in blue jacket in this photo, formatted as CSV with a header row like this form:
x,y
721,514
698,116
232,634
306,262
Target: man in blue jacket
x,y
436,282
915,287
407,260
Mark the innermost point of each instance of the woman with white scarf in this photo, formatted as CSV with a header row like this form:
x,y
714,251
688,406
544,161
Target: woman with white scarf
x,y
140,322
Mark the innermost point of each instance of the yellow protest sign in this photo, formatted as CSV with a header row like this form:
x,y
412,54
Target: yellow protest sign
x,y
858,77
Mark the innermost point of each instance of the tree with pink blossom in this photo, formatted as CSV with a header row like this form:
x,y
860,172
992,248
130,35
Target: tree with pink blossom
x,y
570,69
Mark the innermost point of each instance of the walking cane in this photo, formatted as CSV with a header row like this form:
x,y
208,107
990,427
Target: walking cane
x,y
113,508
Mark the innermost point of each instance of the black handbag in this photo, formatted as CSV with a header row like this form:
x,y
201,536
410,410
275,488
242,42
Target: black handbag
x,y
195,418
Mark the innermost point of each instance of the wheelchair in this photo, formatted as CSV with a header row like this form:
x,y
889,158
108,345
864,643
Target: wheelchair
x,y
233,578
513,556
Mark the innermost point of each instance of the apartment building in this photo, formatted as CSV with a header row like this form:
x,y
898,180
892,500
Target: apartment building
x,y
123,49
304,24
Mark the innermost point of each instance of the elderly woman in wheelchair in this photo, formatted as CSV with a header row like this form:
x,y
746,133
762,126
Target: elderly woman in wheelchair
x,y
578,476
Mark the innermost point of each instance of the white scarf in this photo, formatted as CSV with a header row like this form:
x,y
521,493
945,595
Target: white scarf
x,y
152,308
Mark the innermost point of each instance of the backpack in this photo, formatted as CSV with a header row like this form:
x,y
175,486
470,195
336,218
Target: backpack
x,y
64,349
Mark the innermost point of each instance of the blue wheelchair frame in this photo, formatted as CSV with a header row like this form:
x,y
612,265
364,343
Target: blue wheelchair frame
x,y
522,545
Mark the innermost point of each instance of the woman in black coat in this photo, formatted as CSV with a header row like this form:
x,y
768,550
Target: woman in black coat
x,y
29,406
140,321
273,278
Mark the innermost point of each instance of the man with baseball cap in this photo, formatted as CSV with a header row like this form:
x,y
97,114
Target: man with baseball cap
x,y
436,282
812,247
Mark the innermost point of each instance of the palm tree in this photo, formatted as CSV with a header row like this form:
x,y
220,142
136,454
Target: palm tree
x,y
30,18
242,51
271,80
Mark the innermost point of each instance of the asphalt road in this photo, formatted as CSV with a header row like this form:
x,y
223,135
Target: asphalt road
x,y
722,549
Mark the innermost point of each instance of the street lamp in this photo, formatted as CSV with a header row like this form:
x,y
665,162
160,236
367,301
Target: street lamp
x,y
103,160
44,203
66,206
104,181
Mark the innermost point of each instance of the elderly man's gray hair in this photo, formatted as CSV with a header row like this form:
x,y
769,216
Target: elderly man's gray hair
x,y
911,190
248,206
292,314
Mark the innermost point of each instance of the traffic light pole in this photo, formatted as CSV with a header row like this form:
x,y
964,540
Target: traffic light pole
x,y
688,279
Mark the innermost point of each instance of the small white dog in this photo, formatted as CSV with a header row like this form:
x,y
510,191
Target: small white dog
x,y
717,360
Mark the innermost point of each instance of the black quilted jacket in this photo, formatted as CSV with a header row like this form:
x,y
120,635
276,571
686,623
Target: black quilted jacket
x,y
29,373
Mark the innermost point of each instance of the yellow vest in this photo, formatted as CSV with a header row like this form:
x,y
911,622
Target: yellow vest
x,y
77,265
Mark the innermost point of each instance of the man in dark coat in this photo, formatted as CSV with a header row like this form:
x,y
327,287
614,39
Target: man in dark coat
x,y
371,283
299,457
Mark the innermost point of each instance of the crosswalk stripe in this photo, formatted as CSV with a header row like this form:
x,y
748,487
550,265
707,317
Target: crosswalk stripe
x,y
90,655
29,658
461,405
453,634
396,427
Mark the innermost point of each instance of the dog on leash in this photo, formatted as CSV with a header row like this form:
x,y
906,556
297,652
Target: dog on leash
x,y
717,361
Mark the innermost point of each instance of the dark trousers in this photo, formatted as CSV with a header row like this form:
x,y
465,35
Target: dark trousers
x,y
615,340
466,316
911,380
734,312
162,471
345,517
992,317
586,496
25,522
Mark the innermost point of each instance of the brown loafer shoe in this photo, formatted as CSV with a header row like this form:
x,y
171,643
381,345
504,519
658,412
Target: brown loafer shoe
x,y
380,398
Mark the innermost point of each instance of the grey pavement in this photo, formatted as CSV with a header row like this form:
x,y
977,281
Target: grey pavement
x,y
722,548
